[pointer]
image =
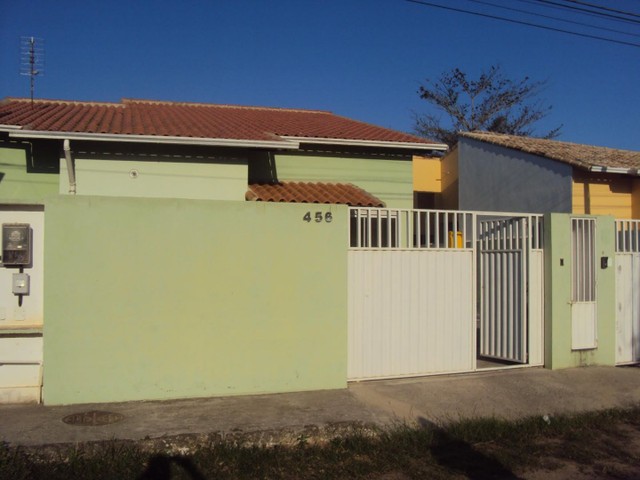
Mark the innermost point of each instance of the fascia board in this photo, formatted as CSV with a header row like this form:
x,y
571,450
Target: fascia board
x,y
368,143
108,137
619,170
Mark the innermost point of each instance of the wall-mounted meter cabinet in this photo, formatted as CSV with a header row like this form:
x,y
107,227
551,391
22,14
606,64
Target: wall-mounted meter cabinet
x,y
16,244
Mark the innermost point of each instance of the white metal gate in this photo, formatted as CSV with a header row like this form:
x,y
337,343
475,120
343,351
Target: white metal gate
x,y
413,282
503,267
510,259
583,284
411,295
627,291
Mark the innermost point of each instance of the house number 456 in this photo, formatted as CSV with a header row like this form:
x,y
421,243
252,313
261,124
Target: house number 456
x,y
318,217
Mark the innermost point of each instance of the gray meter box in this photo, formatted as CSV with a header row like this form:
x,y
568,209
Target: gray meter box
x,y
21,284
16,244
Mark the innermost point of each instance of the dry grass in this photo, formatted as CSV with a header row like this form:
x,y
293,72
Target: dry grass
x,y
591,445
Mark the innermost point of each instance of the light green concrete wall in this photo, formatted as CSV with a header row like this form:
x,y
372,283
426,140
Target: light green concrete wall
x,y
136,178
389,180
156,298
558,352
18,186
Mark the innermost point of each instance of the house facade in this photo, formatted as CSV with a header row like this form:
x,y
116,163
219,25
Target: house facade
x,y
156,250
182,250
494,172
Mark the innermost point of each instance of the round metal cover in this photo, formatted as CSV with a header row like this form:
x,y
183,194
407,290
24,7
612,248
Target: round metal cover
x,y
93,418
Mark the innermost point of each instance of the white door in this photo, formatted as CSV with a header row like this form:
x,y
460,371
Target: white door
x,y
583,284
503,306
627,308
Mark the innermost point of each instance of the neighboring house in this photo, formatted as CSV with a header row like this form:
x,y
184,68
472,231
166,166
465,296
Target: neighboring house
x,y
495,172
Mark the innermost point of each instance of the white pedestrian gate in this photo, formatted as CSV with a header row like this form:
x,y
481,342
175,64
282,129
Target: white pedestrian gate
x,y
503,267
413,286
583,284
627,291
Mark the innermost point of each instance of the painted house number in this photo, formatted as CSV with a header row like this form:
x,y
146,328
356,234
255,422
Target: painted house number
x,y
318,217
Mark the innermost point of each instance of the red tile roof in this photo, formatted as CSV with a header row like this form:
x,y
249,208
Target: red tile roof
x,y
301,192
190,120
584,156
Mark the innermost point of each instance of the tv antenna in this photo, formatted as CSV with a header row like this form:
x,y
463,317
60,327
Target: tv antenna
x,y
31,58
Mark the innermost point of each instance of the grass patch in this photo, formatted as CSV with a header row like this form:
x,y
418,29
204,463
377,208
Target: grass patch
x,y
604,443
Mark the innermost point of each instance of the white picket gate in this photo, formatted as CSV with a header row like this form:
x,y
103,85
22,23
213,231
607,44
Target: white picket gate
x,y
627,291
414,286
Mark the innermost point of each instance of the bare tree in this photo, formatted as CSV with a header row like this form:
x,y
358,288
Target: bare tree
x,y
492,102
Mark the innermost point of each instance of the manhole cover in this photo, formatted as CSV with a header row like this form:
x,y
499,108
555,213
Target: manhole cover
x,y
92,419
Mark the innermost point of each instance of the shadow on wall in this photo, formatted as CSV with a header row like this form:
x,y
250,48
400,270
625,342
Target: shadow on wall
x,y
459,456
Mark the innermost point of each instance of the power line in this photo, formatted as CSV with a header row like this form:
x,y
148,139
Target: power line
x,y
600,7
579,9
563,8
554,18
519,22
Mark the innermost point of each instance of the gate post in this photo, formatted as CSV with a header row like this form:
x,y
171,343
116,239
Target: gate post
x,y
559,283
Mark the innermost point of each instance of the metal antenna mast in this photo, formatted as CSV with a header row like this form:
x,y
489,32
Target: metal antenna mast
x,y
31,58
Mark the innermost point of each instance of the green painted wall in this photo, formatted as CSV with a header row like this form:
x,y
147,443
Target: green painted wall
x,y
558,353
157,179
18,186
157,298
389,180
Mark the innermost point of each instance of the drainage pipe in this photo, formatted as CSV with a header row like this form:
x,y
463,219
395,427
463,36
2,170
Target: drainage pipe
x,y
70,167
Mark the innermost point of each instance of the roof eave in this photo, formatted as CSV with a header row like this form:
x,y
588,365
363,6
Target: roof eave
x,y
368,143
110,137
618,170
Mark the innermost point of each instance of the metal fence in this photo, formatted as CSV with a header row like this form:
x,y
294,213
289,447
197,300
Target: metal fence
x,y
627,236
406,229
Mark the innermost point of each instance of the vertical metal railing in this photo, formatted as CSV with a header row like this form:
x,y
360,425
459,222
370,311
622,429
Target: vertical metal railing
x,y
583,232
503,243
628,236
384,228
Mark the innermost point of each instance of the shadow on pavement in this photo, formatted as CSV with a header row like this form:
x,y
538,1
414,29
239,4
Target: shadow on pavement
x,y
159,468
459,456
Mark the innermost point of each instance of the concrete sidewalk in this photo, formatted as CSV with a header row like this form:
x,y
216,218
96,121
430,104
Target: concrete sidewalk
x,y
265,418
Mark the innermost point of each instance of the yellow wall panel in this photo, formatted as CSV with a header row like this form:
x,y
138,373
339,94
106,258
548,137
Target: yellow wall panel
x,y
635,198
450,180
427,174
603,194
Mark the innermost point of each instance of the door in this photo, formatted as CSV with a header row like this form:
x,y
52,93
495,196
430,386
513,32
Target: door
x,y
502,250
583,284
627,308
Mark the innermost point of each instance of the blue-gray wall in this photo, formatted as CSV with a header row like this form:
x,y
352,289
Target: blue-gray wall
x,y
493,178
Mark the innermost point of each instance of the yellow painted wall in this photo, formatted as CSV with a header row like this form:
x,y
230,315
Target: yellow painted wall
x,y
449,168
604,194
635,198
427,174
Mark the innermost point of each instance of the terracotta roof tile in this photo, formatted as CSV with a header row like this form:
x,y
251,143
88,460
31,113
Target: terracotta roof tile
x,y
141,117
584,156
316,192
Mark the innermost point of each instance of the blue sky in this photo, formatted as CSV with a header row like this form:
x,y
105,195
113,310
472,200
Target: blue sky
x,y
363,59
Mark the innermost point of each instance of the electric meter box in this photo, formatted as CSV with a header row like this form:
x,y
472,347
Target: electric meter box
x,y
16,244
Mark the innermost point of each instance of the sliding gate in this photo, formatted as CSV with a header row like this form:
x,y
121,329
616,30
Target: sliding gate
x,y
426,286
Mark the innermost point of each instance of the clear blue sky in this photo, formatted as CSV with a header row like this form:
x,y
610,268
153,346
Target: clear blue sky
x,y
363,59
